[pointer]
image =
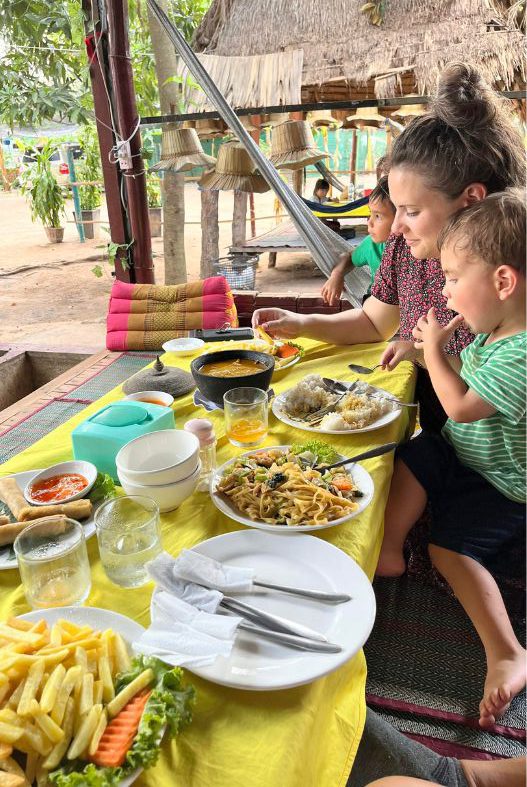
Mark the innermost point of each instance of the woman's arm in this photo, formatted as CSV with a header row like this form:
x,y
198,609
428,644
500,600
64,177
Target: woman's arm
x,y
375,322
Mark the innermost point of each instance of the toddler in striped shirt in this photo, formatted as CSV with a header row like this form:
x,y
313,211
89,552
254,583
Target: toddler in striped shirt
x,y
473,474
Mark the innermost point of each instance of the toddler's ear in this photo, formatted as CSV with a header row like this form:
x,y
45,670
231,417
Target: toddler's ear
x,y
507,280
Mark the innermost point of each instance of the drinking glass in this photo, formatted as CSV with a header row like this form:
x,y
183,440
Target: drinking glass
x,y
246,416
128,535
53,563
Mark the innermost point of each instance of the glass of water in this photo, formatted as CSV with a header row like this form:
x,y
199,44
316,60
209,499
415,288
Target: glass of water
x,y
53,563
129,536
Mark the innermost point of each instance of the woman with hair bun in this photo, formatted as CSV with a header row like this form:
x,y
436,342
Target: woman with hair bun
x,y
465,147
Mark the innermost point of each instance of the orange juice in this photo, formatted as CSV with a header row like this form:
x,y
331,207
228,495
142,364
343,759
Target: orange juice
x,y
247,431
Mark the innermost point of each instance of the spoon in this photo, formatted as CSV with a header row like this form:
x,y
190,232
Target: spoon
x,y
355,367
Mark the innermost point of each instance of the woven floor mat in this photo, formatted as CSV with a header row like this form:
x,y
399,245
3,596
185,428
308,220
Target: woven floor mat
x,y
462,741
425,657
114,374
35,426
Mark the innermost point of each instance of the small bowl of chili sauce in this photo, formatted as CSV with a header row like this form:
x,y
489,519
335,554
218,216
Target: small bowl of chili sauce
x,y
61,483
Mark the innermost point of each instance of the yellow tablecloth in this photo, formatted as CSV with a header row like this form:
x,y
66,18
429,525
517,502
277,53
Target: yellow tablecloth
x,y
302,737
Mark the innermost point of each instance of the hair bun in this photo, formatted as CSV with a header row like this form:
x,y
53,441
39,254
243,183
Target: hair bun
x,y
464,100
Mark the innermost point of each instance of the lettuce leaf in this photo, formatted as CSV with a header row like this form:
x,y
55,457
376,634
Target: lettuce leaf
x,y
103,488
169,708
323,452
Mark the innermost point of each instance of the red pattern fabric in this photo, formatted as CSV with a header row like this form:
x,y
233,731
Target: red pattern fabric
x,y
415,286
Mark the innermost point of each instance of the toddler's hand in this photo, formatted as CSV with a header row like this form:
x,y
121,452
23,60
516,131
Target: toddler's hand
x,y
396,352
430,333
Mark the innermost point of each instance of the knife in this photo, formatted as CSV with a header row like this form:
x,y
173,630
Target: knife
x,y
269,621
381,449
290,639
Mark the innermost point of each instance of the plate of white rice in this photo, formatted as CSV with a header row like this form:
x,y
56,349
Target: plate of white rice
x,y
362,410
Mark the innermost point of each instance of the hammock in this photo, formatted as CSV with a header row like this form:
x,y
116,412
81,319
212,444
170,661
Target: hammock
x,y
329,176
334,210
324,244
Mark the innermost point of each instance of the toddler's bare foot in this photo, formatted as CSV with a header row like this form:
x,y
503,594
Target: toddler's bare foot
x,y
505,679
391,563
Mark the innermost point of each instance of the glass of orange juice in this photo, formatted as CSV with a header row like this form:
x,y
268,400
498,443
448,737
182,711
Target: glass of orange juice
x,y
246,416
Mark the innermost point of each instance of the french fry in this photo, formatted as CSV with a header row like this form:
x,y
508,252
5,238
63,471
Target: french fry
x,y
14,699
59,750
12,766
81,658
73,675
50,690
31,766
55,637
9,733
19,623
82,739
143,680
49,728
121,657
17,635
108,691
33,738
4,691
11,780
5,751
91,656
97,692
98,733
86,694
32,684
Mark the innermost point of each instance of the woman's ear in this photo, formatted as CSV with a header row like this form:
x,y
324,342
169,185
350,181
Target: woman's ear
x,y
506,280
475,192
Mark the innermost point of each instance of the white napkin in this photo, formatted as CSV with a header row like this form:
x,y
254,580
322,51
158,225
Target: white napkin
x,y
182,635
160,569
194,567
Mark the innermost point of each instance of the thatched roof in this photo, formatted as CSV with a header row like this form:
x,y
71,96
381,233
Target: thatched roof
x,y
345,56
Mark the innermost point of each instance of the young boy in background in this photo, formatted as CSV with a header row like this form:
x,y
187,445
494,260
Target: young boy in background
x,y
370,251
473,474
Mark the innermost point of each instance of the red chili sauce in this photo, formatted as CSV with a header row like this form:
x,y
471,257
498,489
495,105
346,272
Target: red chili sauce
x,y
58,487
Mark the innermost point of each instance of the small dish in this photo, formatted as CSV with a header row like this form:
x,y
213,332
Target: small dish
x,y
183,346
75,467
152,397
167,496
162,457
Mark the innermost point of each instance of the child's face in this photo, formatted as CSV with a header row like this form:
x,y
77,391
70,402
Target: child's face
x,y
470,289
421,211
380,221
321,193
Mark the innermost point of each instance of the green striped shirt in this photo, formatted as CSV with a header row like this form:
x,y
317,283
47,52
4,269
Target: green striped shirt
x,y
495,447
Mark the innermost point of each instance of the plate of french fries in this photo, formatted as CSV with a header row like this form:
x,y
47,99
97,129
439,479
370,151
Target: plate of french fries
x,y
58,670
22,514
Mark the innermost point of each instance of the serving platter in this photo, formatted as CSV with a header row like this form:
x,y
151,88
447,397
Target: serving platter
x,y
7,556
223,503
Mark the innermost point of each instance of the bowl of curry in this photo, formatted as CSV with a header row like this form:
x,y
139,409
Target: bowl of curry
x,y
218,372
61,483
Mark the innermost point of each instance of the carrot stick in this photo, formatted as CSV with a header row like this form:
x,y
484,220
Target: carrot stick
x,y
117,738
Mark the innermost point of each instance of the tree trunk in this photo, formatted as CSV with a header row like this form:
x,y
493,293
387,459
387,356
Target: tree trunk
x,y
210,233
174,183
239,216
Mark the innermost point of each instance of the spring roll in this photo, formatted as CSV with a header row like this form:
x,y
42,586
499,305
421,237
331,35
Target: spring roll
x,y
11,495
4,520
77,509
8,533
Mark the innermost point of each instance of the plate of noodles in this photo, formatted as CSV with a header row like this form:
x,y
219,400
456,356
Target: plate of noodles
x,y
363,409
277,489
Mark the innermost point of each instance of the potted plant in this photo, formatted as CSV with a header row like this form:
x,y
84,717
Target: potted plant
x,y
46,197
155,210
88,172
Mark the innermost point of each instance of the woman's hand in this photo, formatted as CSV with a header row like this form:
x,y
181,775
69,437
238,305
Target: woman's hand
x,y
429,333
279,323
396,352
332,289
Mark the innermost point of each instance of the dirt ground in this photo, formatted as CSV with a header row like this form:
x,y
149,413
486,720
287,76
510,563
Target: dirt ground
x,y
50,297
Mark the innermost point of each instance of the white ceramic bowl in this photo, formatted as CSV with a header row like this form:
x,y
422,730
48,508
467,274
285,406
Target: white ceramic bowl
x,y
147,396
156,458
86,469
167,496
183,346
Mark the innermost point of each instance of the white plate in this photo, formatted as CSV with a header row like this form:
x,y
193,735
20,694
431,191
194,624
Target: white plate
x,y
224,503
278,409
97,619
23,480
257,664
183,346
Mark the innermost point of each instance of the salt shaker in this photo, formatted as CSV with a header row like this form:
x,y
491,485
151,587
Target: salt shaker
x,y
204,431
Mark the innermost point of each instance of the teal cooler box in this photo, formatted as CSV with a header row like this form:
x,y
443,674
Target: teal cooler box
x,y
101,436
